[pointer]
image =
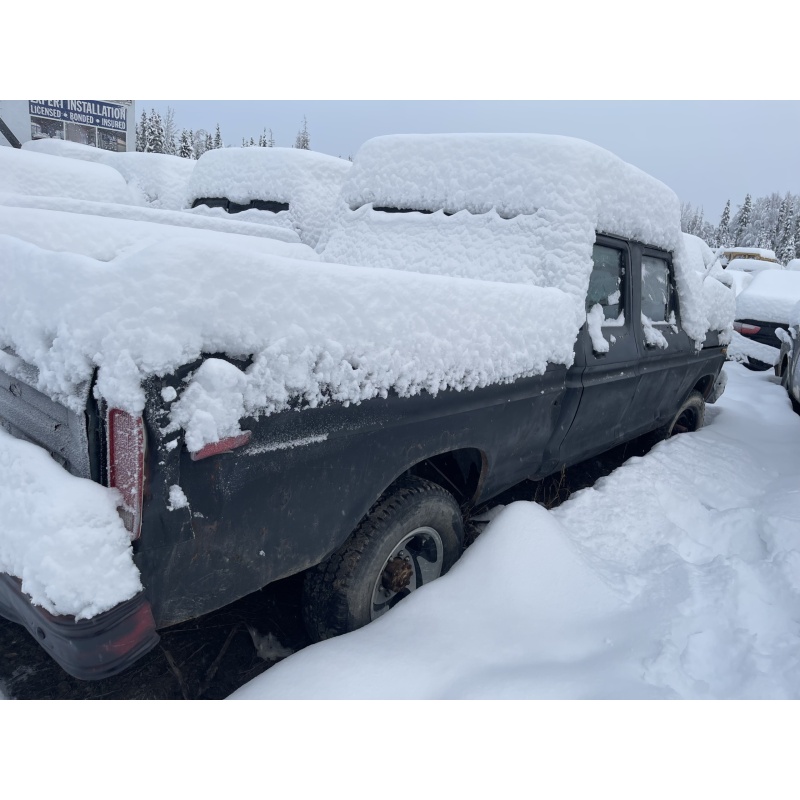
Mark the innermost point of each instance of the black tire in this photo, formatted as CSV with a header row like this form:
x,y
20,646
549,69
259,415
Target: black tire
x,y
689,417
757,366
340,594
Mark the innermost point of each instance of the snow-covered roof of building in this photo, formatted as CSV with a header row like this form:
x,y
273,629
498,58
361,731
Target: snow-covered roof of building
x,y
29,173
157,179
753,252
307,181
770,297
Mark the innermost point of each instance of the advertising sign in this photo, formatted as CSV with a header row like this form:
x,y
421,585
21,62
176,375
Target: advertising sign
x,y
99,123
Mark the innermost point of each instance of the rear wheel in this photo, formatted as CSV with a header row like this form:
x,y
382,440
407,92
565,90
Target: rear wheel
x,y
689,418
411,536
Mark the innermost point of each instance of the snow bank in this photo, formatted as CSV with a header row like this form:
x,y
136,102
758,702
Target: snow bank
x,y
515,208
62,535
28,173
770,297
677,576
317,331
309,182
157,179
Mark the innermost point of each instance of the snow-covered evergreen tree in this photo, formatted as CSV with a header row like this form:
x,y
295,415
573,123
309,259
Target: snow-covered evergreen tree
x,y
155,134
141,132
199,139
743,221
170,132
786,244
303,140
723,231
209,142
218,143
185,148
271,140
262,139
797,232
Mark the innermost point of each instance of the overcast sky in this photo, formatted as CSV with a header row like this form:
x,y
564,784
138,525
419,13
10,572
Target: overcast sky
x,y
706,151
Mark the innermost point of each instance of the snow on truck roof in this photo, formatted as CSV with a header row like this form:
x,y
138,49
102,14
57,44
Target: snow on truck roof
x,y
306,181
516,208
507,250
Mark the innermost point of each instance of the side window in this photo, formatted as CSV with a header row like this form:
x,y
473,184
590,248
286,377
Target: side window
x,y
605,284
657,301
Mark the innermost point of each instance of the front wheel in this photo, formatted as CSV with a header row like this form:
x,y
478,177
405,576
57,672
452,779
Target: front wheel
x,y
411,536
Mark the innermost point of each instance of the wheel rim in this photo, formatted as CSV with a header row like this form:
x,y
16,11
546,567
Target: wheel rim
x,y
686,422
416,560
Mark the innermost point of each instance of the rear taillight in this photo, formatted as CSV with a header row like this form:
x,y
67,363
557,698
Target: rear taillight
x,y
223,446
126,450
745,329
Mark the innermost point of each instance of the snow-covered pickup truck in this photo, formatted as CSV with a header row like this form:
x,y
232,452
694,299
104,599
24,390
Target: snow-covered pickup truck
x,y
486,309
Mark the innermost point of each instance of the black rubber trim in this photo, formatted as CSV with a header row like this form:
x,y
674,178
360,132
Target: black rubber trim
x,y
87,649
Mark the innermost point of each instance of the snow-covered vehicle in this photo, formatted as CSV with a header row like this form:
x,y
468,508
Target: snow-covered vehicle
x,y
787,366
488,309
281,186
749,259
762,309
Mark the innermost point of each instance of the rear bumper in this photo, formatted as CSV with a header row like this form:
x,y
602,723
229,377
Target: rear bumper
x,y
88,649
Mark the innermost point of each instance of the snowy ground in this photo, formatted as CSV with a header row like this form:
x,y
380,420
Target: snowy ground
x,y
677,576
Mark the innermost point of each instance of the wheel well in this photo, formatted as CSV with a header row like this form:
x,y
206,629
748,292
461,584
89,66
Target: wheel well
x,y
704,386
460,472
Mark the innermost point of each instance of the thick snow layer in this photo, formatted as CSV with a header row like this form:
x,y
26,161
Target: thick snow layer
x,y
752,265
678,576
770,297
105,239
157,179
737,280
61,535
27,173
317,331
794,265
309,182
517,208
144,214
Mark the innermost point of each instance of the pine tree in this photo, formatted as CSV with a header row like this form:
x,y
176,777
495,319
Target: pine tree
x,y
784,217
141,133
209,142
185,148
786,244
155,134
252,142
170,132
723,234
797,234
744,221
303,141
218,139
271,140
262,139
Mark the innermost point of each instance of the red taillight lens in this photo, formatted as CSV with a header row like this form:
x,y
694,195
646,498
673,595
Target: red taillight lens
x,y
745,329
222,446
126,465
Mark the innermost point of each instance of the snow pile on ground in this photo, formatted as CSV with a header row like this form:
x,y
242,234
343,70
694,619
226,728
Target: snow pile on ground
x,y
27,173
152,215
157,179
106,239
517,208
770,296
62,535
309,182
678,576
316,331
